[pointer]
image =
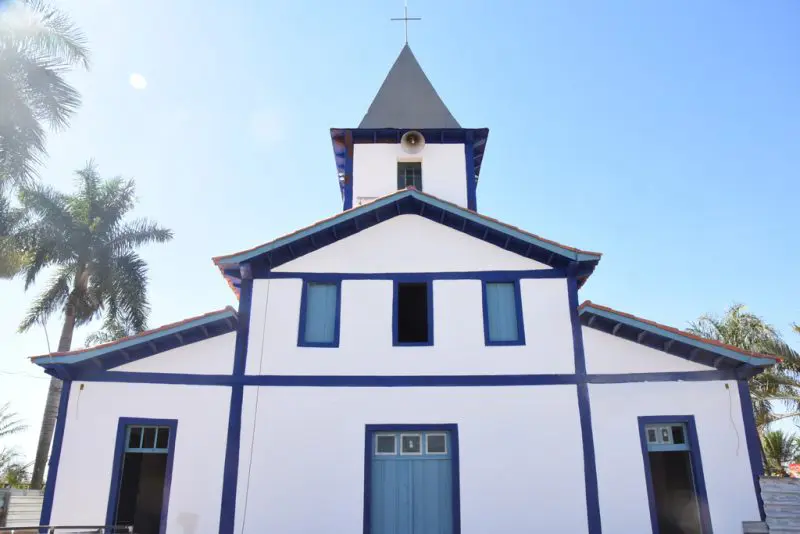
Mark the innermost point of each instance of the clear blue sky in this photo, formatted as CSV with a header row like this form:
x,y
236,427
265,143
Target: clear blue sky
x,y
664,134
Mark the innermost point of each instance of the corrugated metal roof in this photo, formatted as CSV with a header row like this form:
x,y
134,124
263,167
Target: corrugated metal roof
x,y
407,99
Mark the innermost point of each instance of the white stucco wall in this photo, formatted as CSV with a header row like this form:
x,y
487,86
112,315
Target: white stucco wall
x,y
521,464
211,356
444,172
87,455
606,353
620,472
365,342
409,244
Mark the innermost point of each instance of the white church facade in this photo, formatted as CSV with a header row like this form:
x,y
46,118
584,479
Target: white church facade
x,y
407,366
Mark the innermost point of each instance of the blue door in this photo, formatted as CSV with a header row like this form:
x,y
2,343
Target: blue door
x,y
411,483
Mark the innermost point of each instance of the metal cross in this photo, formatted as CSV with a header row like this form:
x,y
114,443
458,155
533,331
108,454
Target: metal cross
x,y
405,19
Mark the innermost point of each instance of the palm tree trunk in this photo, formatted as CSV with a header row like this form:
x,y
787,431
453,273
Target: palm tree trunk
x,y
51,405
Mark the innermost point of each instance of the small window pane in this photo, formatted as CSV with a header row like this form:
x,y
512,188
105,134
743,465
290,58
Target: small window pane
x,y
320,325
162,439
652,437
501,311
411,444
409,174
436,444
149,440
678,436
135,437
385,445
665,434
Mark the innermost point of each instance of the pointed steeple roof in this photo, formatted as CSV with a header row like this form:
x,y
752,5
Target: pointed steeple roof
x,y
407,100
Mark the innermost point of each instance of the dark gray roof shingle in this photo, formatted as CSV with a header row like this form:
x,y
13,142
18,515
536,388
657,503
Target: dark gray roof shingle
x,y
407,100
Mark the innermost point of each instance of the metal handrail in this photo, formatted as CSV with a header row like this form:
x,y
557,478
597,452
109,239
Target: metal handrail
x,y
86,528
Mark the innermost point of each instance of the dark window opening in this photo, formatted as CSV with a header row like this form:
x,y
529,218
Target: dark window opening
x,y
141,492
409,174
412,313
673,488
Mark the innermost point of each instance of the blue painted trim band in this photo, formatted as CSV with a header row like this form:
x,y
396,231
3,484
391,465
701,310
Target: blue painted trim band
x,y
589,461
119,455
584,410
301,328
489,276
403,380
753,442
348,172
697,468
589,309
472,181
518,310
395,314
370,431
230,474
55,455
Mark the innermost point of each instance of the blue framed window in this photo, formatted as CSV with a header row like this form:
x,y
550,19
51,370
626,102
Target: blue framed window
x,y
673,468
502,313
147,439
412,321
320,309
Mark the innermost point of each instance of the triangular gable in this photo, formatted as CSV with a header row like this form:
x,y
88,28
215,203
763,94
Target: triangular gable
x,y
410,202
670,340
66,365
407,99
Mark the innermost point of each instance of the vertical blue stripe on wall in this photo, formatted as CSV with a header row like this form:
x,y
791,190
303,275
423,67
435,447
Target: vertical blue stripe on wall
x,y
753,443
472,181
585,412
55,455
348,170
230,473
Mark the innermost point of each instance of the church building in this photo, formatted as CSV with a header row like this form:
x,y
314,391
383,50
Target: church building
x,y
409,365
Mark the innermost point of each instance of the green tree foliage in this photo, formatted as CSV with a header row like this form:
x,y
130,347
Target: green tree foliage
x,y
779,383
84,239
780,449
9,422
39,44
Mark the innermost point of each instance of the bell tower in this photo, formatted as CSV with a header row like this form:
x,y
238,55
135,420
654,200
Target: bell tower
x,y
408,138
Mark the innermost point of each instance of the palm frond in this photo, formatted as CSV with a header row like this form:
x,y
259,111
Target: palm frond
x,y
130,290
41,28
52,299
10,423
136,233
21,135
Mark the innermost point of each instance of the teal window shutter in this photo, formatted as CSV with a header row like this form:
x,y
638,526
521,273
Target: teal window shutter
x,y
502,318
320,322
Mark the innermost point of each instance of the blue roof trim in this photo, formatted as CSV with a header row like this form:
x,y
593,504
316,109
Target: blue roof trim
x,y
665,340
106,357
479,138
288,248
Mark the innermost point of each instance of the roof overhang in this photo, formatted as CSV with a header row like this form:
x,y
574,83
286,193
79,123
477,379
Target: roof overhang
x,y
672,341
68,365
344,138
405,202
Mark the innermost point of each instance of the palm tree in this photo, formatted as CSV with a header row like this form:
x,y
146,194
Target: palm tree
x,y
38,45
9,422
781,382
97,271
779,449
10,252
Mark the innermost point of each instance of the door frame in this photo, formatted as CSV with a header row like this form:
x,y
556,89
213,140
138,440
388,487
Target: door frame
x,y
697,468
371,430
119,454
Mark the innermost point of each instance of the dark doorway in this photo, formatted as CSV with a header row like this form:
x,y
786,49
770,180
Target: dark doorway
x,y
673,487
143,473
676,487
412,313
